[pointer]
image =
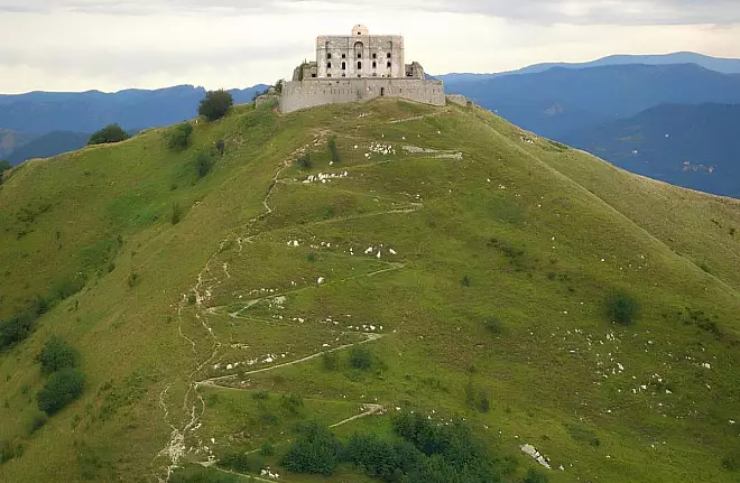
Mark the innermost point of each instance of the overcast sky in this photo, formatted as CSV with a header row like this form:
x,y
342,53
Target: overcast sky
x,y
114,44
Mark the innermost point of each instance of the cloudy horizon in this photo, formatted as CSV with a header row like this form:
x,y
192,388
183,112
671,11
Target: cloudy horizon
x,y
76,45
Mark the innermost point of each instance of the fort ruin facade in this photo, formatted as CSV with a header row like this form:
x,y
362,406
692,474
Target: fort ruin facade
x,y
358,67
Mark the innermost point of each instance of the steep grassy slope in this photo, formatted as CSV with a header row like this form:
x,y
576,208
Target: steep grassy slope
x,y
467,256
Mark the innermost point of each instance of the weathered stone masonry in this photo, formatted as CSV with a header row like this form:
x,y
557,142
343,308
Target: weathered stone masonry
x,y
355,68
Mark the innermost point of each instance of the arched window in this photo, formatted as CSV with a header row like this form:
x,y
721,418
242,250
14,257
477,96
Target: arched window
x,y
375,64
328,65
344,66
359,64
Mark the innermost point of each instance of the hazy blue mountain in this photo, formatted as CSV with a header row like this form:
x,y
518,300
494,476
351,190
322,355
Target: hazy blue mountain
x,y
43,112
696,146
11,140
717,64
560,100
49,144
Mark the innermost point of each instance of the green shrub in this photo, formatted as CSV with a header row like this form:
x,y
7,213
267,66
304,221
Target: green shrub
x,y
360,358
178,138
203,164
16,329
621,308
304,161
112,133
333,151
215,104
261,395
267,449
292,403
176,214
10,450
241,462
477,398
493,325
316,450
62,388
56,355
465,282
220,147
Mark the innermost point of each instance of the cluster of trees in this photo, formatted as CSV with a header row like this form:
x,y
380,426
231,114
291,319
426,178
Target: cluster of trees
x,y
178,138
66,382
215,104
112,133
421,450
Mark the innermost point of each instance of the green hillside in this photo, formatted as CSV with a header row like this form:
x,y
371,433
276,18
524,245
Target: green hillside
x,y
445,263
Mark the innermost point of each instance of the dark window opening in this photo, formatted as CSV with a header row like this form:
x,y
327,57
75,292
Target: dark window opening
x,y
382,91
314,75
388,65
359,55
328,56
328,75
388,55
359,65
344,66
375,64
344,56
375,56
328,65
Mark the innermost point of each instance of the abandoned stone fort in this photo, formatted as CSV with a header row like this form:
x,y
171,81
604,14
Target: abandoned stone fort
x,y
358,67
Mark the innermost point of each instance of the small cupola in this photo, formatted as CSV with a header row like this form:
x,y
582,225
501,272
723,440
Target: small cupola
x,y
359,30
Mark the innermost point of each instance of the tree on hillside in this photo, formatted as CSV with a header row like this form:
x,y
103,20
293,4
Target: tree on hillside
x,y
215,105
57,355
112,133
62,388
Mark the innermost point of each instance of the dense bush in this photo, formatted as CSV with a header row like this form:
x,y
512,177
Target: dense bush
x,y
203,164
178,138
112,133
56,355
9,450
422,451
62,388
304,161
621,308
220,147
316,450
15,329
333,151
176,214
360,358
215,105
241,462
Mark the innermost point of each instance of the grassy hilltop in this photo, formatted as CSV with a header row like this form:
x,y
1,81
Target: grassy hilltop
x,y
445,262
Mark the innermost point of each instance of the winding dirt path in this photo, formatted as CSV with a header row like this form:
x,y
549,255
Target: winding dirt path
x,y
193,404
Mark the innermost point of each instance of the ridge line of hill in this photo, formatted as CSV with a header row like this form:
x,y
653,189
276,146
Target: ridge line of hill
x,y
590,193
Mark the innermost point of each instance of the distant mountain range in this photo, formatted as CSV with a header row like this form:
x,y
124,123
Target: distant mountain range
x,y
717,64
562,100
695,146
47,123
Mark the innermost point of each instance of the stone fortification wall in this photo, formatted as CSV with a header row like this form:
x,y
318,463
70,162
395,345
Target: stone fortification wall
x,y
317,92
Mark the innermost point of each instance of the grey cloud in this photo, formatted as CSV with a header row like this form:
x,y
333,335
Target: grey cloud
x,y
610,12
